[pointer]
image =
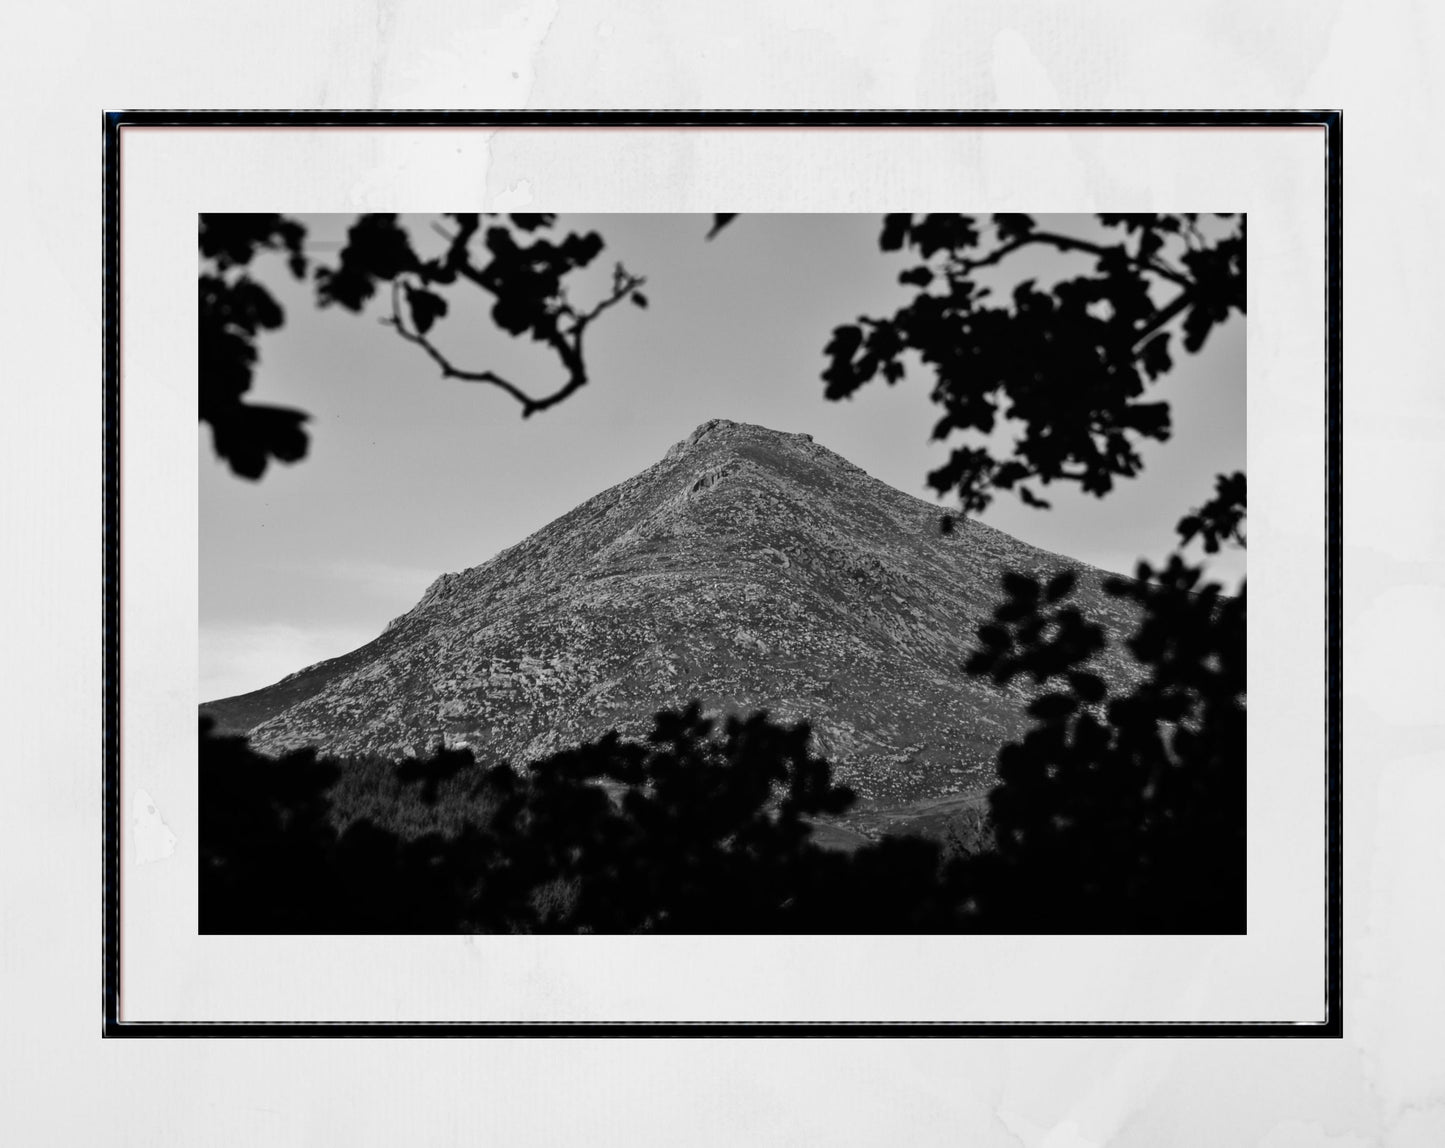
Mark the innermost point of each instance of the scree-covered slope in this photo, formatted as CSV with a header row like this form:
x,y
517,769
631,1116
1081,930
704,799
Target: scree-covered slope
x,y
749,569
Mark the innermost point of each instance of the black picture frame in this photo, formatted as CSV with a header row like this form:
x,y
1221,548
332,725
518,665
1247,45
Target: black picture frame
x,y
1329,121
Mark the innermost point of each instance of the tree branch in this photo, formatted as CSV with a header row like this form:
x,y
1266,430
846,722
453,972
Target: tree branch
x,y
1069,243
448,369
567,345
623,284
1162,317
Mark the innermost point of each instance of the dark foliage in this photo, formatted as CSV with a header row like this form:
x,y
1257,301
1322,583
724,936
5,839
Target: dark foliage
x,y
719,222
234,309
1219,521
1121,812
698,831
1114,814
512,259
1070,364
1117,812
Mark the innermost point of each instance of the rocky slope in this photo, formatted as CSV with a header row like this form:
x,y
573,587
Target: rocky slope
x,y
748,568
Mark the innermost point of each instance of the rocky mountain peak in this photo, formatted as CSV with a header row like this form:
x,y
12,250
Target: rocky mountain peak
x,y
749,569
722,433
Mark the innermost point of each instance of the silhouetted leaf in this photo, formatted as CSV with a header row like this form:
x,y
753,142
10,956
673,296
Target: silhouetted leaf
x,y
944,232
233,240
1052,707
1012,227
719,222
248,436
376,249
1061,585
1219,520
895,231
426,308
1155,356
1021,586
1090,688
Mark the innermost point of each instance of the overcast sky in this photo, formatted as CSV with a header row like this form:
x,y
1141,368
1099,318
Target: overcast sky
x,y
409,477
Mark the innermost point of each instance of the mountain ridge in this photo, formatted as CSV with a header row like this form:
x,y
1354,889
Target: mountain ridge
x,y
749,568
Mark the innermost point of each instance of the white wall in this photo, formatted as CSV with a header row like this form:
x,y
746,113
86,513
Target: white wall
x,y
1384,1083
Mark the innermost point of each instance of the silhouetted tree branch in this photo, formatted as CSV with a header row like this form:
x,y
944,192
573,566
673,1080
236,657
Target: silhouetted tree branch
x,y
526,279
1068,365
1220,520
958,266
562,326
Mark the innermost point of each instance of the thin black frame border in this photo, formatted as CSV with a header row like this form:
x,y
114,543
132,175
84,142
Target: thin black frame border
x,y
1331,121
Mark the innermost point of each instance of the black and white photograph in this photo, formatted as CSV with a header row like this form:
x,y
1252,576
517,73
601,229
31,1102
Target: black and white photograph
x,y
722,573
680,575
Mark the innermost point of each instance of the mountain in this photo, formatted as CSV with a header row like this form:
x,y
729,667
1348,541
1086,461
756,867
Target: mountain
x,y
750,569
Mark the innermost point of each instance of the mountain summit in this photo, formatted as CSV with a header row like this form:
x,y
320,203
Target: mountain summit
x,y
749,569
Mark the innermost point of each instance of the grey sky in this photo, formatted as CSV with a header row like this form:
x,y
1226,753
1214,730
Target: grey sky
x,y
409,476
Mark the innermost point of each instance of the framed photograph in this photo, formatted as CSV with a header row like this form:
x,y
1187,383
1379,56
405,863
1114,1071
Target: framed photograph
x,y
598,612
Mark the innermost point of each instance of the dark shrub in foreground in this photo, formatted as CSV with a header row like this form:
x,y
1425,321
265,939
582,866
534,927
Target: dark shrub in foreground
x,y
1115,813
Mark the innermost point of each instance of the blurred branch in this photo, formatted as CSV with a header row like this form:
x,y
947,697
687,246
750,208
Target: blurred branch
x,y
1069,243
565,338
